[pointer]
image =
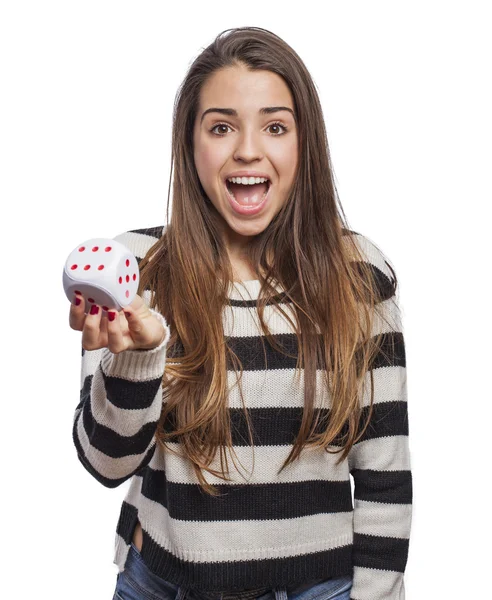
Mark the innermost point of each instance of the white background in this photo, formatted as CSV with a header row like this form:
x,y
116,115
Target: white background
x,y
87,90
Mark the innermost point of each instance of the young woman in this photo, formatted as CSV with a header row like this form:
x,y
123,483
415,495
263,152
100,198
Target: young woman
x,y
265,331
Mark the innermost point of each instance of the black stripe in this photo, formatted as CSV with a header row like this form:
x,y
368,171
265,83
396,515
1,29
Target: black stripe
x,y
110,442
123,393
378,552
127,394
155,232
247,502
280,298
241,575
251,351
388,418
107,482
127,521
392,351
393,487
385,286
280,426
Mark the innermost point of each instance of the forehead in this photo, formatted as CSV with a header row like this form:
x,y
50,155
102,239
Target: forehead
x,y
240,88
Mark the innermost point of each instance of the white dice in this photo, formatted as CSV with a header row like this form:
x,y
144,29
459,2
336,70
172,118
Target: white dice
x,y
104,271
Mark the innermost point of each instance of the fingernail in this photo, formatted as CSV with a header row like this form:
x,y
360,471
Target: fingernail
x,y
94,309
111,316
127,314
77,301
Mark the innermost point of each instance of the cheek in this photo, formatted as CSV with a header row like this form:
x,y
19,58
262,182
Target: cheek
x,y
208,162
285,162
209,158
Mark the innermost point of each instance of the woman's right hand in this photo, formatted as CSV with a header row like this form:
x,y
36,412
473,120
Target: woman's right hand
x,y
133,328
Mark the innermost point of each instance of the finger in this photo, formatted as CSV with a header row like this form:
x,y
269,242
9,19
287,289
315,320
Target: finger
x,y
140,332
91,335
135,305
135,324
103,325
116,341
76,317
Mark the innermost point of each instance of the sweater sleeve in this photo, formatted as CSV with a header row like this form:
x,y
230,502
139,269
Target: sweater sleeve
x,y
380,466
120,405
120,399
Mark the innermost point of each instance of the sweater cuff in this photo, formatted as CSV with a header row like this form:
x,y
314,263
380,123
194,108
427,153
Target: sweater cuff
x,y
138,365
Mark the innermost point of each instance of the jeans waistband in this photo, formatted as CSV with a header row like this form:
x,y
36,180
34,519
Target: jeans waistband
x,y
280,594
242,595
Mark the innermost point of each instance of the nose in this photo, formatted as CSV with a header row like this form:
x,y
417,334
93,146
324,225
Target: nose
x,y
249,147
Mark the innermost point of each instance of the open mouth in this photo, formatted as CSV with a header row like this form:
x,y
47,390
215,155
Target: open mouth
x,y
248,195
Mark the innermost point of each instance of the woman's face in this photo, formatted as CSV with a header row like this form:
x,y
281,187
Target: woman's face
x,y
247,140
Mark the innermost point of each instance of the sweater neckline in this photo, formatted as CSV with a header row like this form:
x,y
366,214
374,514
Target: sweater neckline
x,y
247,290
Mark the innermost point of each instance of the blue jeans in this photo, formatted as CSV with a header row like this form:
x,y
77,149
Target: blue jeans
x,y
137,582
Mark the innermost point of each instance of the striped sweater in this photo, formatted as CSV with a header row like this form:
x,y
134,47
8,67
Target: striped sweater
x,y
266,529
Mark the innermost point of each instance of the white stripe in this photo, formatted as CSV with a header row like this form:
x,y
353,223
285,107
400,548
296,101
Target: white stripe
x,y
126,422
111,468
369,584
381,454
90,362
383,519
243,321
278,388
316,465
389,453
137,243
370,252
219,541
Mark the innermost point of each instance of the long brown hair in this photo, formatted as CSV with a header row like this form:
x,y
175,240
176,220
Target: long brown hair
x,y
311,253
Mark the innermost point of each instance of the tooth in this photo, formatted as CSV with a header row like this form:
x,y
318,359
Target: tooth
x,y
248,180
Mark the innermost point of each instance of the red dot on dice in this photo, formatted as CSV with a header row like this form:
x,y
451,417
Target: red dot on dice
x,y
77,292
82,248
107,249
120,280
100,267
127,293
127,278
73,267
87,267
95,249
134,276
127,262
90,300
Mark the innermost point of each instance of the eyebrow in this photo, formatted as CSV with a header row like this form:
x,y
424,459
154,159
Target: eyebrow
x,y
232,112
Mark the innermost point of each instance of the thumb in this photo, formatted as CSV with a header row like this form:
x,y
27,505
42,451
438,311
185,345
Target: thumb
x,y
137,306
135,312
135,324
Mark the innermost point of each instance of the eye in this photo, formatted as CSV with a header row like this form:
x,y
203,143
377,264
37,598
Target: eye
x,y
219,125
276,124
